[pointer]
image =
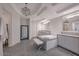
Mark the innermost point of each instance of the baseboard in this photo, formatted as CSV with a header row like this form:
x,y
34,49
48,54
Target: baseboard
x,y
11,45
69,50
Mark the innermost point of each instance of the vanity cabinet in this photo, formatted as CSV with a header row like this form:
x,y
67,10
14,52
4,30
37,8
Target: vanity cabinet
x,y
1,47
70,42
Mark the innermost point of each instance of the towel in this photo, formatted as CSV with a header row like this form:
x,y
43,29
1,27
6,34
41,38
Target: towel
x,y
4,34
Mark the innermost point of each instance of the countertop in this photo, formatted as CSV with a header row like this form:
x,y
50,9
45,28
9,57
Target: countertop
x,y
69,35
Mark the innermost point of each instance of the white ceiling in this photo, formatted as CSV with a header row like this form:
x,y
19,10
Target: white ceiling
x,y
74,19
32,6
39,8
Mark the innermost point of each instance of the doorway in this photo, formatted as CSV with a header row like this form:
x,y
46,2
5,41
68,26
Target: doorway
x,y
24,32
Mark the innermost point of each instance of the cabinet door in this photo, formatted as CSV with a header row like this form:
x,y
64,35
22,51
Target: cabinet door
x,y
1,48
69,42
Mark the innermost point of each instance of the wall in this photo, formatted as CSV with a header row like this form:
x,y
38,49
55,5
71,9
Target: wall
x,y
41,26
14,25
15,29
55,26
0,24
35,20
4,20
24,21
13,21
33,29
4,17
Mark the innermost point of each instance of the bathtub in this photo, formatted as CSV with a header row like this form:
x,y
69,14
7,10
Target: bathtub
x,y
50,41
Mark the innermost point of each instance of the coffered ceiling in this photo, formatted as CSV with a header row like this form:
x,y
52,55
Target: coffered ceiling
x,y
40,8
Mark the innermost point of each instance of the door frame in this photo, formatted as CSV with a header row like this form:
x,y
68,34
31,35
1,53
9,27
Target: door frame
x,y
27,32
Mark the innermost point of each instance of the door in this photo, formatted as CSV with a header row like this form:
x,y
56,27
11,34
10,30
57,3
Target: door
x,y
24,32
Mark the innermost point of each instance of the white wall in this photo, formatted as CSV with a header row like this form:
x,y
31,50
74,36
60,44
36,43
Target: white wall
x,y
41,26
47,14
14,25
33,29
13,19
24,21
4,16
15,29
0,24
55,26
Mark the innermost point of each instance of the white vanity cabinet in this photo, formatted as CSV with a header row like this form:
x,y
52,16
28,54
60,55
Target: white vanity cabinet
x,y
1,47
1,44
70,42
51,44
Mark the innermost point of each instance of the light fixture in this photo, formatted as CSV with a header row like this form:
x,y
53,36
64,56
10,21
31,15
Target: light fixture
x,y
25,10
45,21
72,15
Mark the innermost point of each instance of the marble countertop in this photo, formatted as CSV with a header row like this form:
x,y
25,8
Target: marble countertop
x,y
47,39
69,35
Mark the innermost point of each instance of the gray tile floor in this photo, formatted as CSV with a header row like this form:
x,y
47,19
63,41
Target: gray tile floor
x,y
25,48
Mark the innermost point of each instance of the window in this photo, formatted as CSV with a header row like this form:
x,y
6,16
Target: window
x,y
41,26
